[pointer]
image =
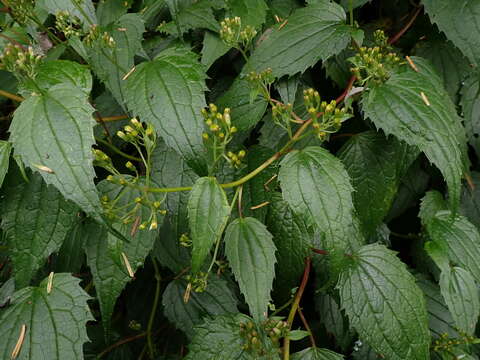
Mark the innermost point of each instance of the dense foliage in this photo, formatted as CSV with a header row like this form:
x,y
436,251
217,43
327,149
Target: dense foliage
x,y
239,179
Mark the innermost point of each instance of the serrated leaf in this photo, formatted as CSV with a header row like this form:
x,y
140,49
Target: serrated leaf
x,y
55,322
440,320
168,92
252,12
470,102
461,296
459,20
249,245
109,11
384,305
36,219
292,240
461,238
51,73
195,15
398,107
287,88
245,113
53,134
219,339
170,170
217,299
313,33
84,10
447,60
208,213
375,165
213,48
431,203
106,253
111,65
5,149
317,354
317,187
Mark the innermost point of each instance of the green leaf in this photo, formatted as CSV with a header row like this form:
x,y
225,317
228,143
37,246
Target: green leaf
x,y
287,88
398,108
213,48
70,256
248,246
375,165
57,72
169,93
296,335
5,149
447,60
431,203
461,238
208,213
459,20
84,10
111,65
312,33
196,15
36,219
219,339
317,187
109,11
53,134
384,305
170,170
461,296
316,354
55,322
252,12
244,112
470,203
217,299
106,254
470,102
292,240
353,3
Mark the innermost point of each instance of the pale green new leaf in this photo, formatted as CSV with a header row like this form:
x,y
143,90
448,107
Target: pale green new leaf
x,y
312,33
251,254
244,113
316,354
53,134
106,253
252,12
169,93
384,305
208,213
112,64
376,166
461,296
459,20
398,107
461,237
84,9
317,187
36,219
55,322
5,149
217,299
51,73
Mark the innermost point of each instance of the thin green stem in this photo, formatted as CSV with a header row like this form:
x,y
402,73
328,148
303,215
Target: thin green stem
x,y
283,307
117,150
350,10
158,279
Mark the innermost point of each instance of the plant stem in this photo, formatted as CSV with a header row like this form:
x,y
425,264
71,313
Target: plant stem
x,y
296,303
158,279
121,342
117,150
307,327
350,10
407,26
11,96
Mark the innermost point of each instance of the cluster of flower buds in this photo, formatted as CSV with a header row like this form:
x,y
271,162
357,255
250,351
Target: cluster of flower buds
x,y
380,39
447,344
276,329
252,342
235,159
68,24
233,35
139,134
95,34
102,160
264,78
374,64
21,10
20,61
326,117
185,241
197,282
